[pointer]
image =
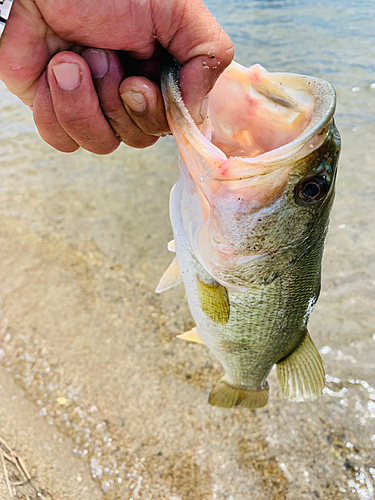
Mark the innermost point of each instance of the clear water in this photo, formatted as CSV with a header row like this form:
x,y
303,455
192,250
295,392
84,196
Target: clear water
x,y
83,244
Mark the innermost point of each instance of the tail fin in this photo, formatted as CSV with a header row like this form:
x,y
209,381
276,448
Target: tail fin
x,y
227,396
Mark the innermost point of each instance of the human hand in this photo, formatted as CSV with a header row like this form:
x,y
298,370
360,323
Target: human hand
x,y
74,91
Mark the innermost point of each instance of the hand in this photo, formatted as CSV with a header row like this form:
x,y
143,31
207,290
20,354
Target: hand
x,y
88,97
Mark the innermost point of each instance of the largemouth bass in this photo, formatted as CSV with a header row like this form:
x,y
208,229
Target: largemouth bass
x,y
250,214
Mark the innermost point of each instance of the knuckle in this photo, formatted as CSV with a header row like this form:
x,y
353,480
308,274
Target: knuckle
x,y
152,123
115,114
77,119
131,134
96,143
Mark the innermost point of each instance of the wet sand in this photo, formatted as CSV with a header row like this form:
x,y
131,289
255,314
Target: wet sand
x,y
97,395
54,472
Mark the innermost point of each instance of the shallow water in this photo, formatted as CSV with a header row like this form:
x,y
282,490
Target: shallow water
x,y
83,244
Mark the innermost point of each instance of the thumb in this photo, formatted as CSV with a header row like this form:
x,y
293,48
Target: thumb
x,y
197,78
204,50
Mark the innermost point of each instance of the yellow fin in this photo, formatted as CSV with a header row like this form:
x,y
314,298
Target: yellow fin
x,y
214,301
301,374
171,246
171,277
191,335
227,396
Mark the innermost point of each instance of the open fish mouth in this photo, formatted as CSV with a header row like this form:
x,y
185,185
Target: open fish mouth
x,y
243,170
256,120
274,116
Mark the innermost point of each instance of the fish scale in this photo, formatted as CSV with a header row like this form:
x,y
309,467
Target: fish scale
x,y
268,337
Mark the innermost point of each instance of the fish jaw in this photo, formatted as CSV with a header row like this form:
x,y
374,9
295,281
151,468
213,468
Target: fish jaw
x,y
264,133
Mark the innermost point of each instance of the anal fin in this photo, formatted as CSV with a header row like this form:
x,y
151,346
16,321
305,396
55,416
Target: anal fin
x,y
171,277
301,374
227,396
191,335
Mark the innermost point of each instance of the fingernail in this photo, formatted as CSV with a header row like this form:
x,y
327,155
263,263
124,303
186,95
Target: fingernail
x,y
135,101
98,62
68,75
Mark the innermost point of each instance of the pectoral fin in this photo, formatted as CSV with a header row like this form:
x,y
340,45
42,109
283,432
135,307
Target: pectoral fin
x,y
191,335
171,246
227,396
171,277
214,301
301,374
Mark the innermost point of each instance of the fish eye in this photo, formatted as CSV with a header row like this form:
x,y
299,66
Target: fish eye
x,y
310,191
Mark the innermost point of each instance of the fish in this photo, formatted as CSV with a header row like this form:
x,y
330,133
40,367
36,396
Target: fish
x,y
250,214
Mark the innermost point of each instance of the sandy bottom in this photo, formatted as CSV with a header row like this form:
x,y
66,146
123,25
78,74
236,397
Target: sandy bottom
x,y
99,398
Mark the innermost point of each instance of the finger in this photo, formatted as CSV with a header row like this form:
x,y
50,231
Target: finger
x,y
143,101
76,104
204,49
27,45
185,28
108,73
45,119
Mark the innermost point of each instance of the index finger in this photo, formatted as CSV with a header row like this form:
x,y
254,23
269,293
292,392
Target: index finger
x,y
204,50
26,46
185,28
